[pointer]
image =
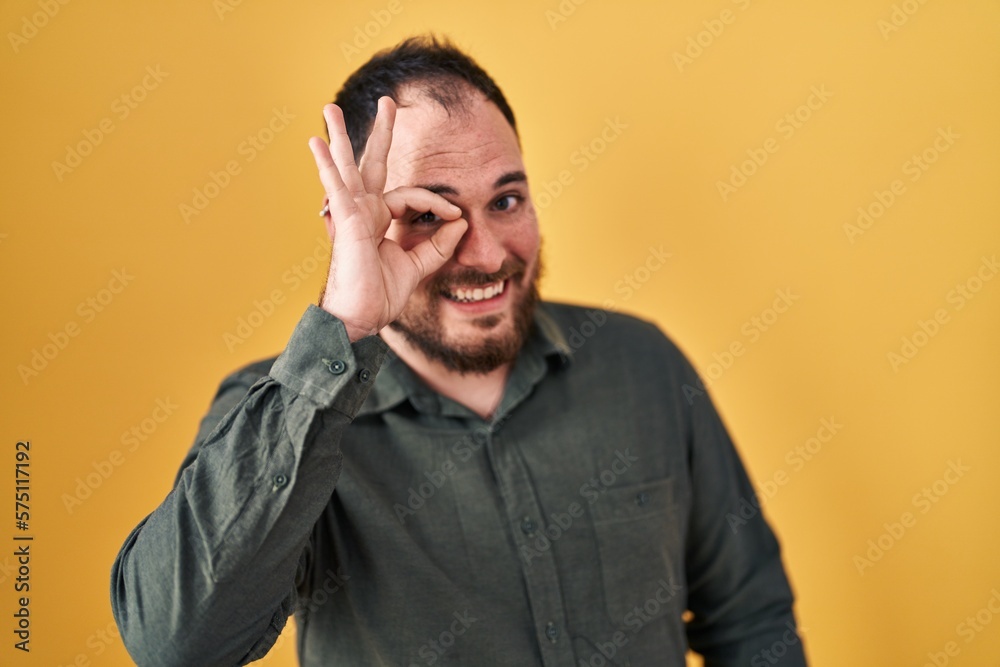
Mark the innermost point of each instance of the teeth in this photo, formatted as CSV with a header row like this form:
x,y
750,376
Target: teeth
x,y
471,295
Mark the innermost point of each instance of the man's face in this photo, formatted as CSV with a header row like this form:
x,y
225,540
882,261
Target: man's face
x,y
474,313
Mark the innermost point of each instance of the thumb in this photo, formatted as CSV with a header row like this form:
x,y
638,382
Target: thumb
x,y
431,254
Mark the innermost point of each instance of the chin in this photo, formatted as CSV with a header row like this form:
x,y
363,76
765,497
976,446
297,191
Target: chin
x,y
478,345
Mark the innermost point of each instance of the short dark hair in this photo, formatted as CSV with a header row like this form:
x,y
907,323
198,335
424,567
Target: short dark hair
x,y
444,71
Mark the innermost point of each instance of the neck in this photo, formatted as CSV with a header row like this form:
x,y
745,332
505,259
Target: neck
x,y
480,392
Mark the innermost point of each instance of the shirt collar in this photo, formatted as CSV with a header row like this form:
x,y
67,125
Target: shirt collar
x,y
396,383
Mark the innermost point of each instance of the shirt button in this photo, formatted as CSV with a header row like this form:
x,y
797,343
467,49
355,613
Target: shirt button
x,y
642,499
279,481
528,526
336,366
552,632
365,375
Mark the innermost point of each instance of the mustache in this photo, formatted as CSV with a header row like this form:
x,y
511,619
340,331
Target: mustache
x,y
470,277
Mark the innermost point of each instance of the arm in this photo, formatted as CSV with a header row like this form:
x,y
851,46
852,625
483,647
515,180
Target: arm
x,y
209,577
738,591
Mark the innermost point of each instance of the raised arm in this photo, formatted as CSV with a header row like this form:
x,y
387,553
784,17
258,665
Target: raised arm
x,y
209,578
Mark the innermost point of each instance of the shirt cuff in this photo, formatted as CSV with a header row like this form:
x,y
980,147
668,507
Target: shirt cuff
x,y
321,364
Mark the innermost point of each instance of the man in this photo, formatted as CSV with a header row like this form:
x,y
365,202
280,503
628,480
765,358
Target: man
x,y
430,473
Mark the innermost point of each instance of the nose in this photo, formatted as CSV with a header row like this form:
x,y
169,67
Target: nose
x,y
480,248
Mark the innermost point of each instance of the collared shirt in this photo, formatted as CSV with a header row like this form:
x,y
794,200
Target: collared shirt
x,y
600,516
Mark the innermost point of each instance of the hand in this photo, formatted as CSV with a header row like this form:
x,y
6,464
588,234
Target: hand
x,y
372,277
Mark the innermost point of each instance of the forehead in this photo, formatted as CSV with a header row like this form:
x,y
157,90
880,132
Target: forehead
x,y
470,146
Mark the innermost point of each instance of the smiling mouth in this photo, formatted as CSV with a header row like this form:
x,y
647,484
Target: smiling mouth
x,y
474,294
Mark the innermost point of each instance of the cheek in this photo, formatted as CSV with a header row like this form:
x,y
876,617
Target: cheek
x,y
529,229
525,241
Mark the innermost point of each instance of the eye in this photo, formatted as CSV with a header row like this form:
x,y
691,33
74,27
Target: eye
x,y
507,202
427,218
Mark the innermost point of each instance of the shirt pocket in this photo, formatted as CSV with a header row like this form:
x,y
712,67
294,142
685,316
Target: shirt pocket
x,y
640,545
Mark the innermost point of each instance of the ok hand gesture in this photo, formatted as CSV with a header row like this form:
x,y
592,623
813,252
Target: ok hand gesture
x,y
371,277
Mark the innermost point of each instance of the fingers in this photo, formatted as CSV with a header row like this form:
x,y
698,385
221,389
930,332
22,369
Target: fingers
x,y
373,162
431,254
341,151
406,199
341,177
341,202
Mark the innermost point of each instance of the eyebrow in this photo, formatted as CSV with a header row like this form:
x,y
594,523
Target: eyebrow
x,y
505,179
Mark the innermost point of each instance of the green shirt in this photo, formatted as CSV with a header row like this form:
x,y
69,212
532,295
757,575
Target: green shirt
x,y
601,516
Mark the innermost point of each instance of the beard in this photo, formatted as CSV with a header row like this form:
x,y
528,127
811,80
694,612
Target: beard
x,y
421,324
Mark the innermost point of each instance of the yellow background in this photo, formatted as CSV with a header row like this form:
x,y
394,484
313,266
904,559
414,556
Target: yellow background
x,y
686,126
